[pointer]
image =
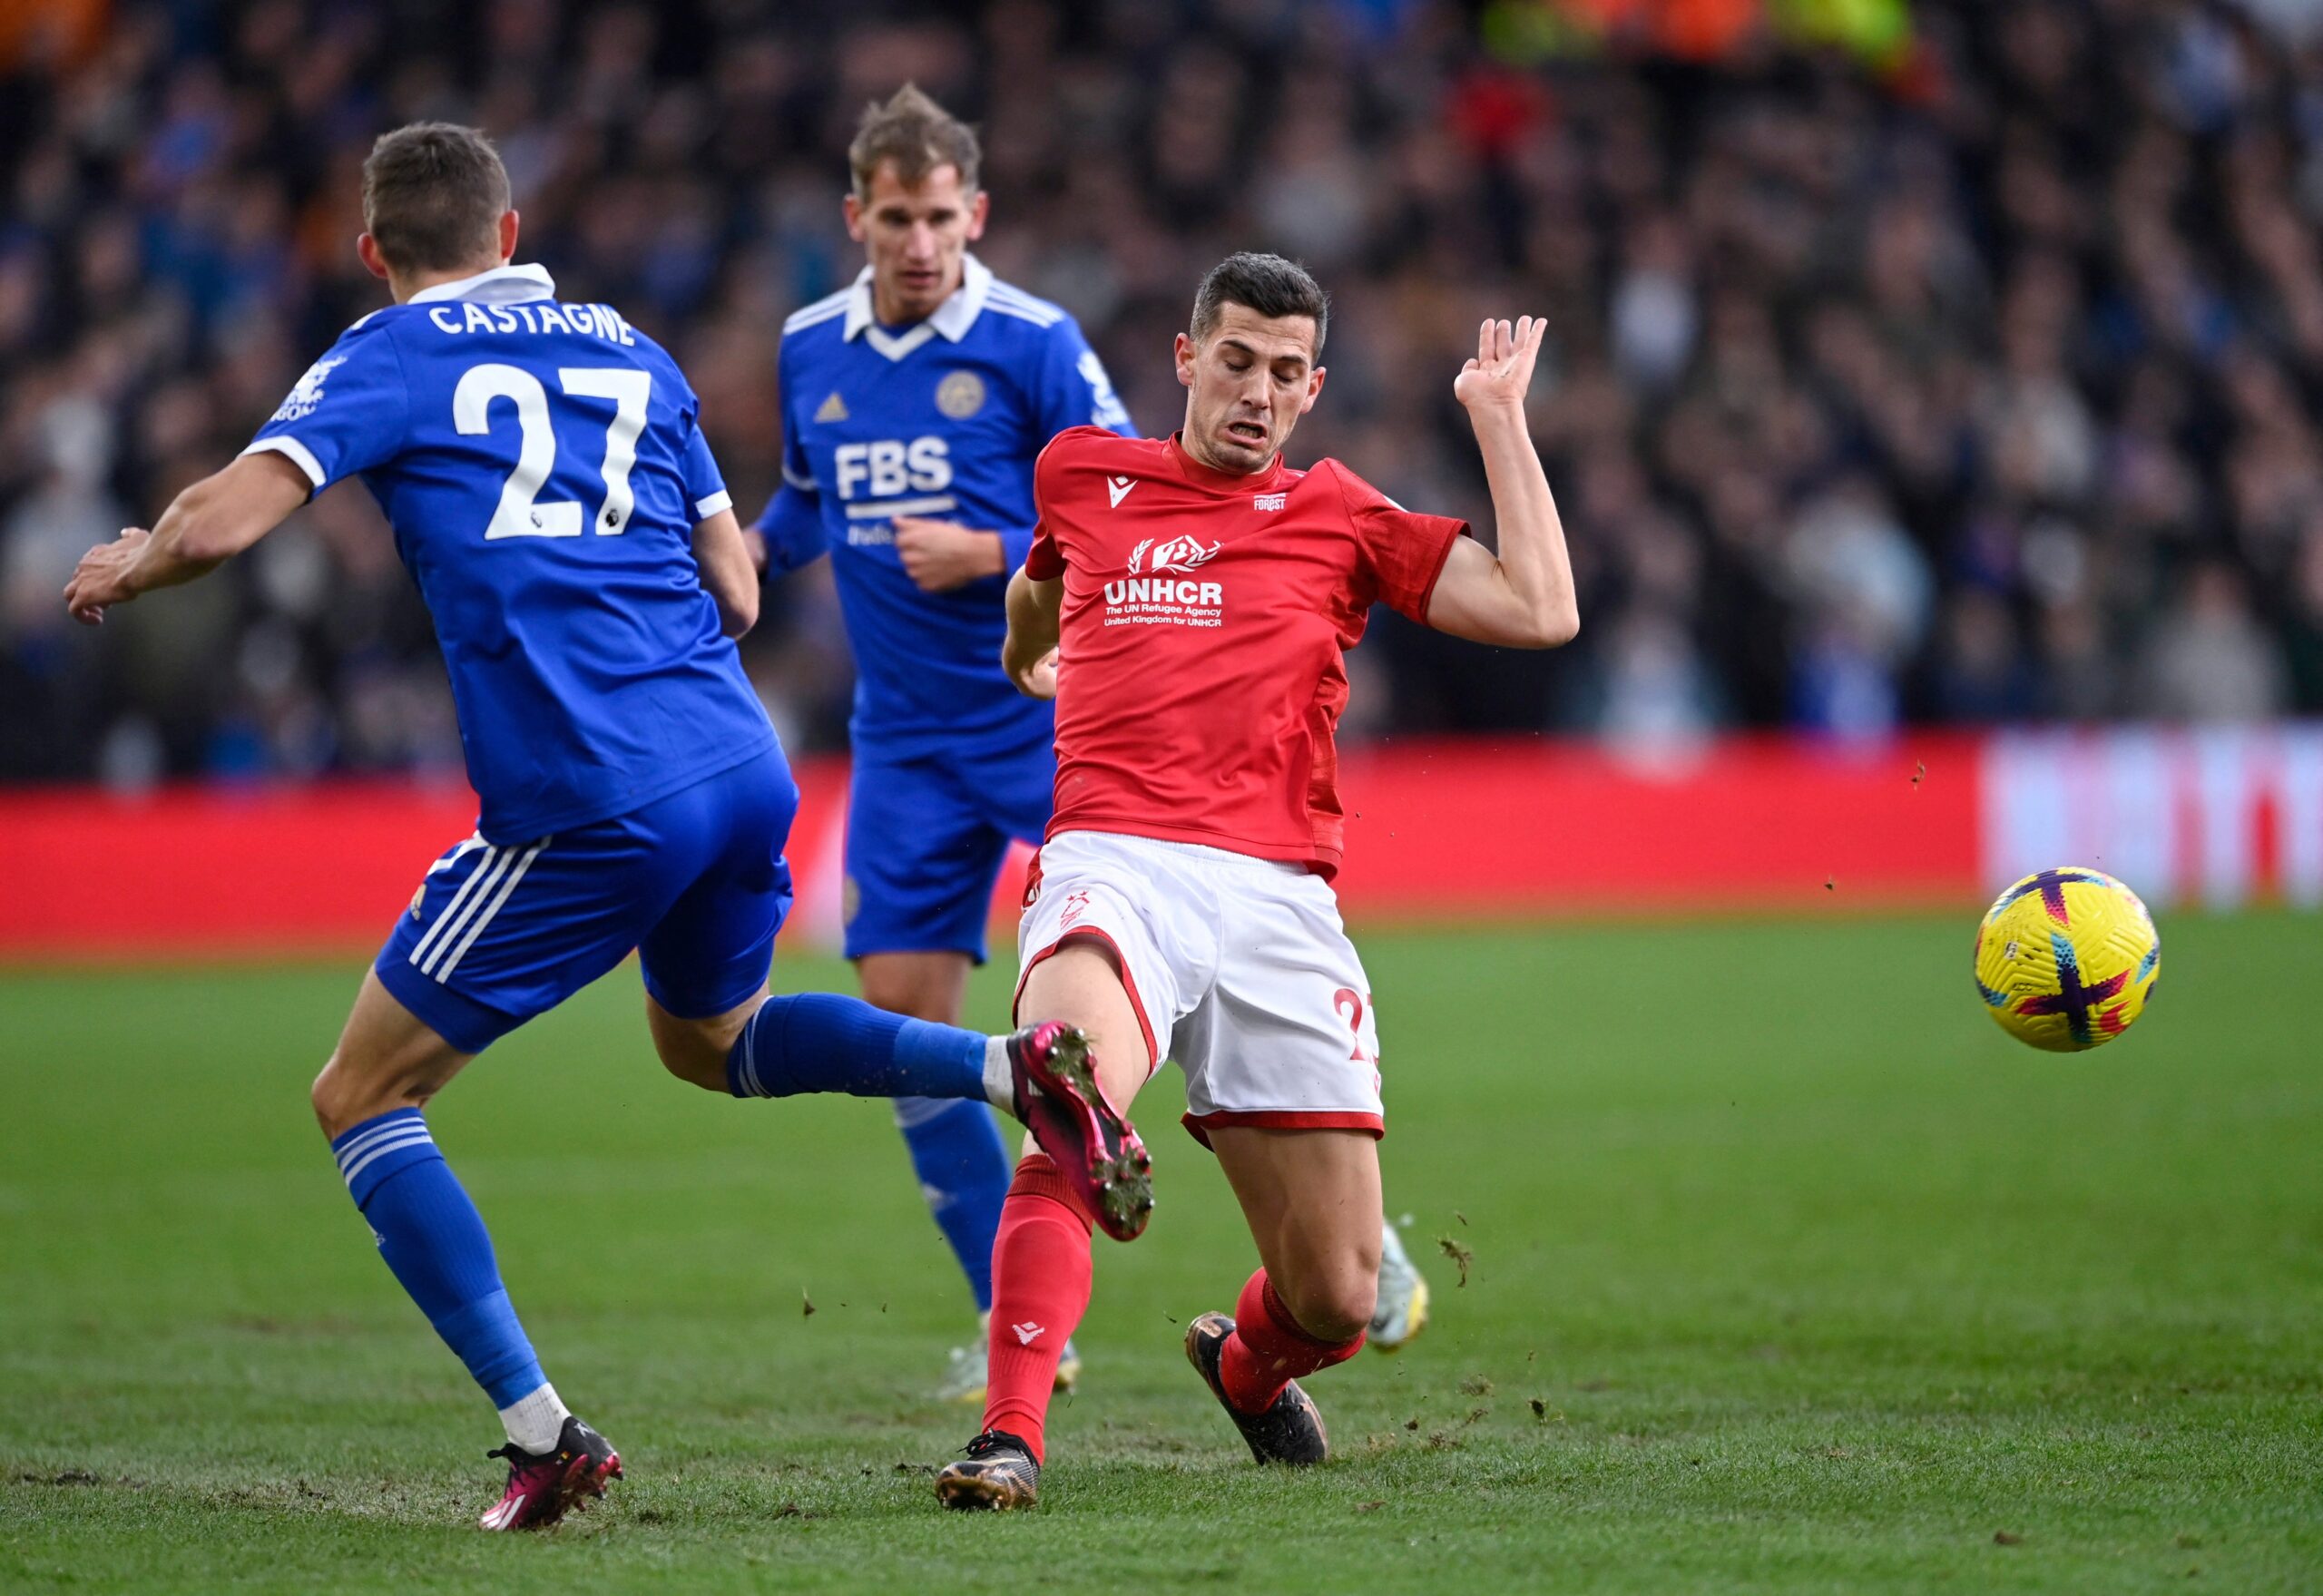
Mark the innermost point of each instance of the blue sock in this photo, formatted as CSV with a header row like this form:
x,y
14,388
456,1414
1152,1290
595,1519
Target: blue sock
x,y
434,1241
821,1041
963,1172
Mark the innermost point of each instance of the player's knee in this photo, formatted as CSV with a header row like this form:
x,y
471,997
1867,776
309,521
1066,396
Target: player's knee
x,y
343,1097
1334,1304
324,1096
694,1050
694,1062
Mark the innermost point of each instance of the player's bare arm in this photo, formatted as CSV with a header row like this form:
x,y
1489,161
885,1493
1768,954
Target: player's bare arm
x,y
1523,597
729,572
939,555
1035,611
206,526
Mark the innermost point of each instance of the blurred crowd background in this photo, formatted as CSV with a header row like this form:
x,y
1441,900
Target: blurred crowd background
x,y
1929,364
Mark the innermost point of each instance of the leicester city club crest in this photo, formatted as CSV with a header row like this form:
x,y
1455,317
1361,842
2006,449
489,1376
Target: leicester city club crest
x,y
960,395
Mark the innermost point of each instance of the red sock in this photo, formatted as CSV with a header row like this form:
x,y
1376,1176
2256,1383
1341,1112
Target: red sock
x,y
1040,1288
1268,1350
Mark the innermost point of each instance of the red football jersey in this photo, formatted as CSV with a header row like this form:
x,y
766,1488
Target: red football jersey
x,y
1199,679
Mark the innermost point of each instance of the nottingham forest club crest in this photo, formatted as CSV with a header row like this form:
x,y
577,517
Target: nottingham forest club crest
x,y
960,395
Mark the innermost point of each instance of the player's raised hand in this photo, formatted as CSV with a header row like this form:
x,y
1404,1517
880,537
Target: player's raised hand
x,y
940,556
99,581
1502,370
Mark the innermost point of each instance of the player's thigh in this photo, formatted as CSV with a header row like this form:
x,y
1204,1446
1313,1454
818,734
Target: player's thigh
x,y
1114,941
388,1058
921,861
929,985
1080,983
1312,1200
704,957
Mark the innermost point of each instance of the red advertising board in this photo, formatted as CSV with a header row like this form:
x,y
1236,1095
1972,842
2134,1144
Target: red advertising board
x,y
1436,831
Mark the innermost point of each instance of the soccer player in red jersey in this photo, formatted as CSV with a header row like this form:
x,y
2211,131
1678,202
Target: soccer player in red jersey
x,y
1186,602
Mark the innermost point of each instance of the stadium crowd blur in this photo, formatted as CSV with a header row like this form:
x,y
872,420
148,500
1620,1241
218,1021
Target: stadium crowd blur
x,y
1962,368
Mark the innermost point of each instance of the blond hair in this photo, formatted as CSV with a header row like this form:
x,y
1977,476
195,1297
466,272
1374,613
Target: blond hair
x,y
917,135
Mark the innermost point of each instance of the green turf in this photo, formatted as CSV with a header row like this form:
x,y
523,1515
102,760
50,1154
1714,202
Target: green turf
x,y
1791,1274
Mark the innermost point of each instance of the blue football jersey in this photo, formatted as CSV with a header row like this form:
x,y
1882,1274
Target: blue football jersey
x,y
541,468
943,419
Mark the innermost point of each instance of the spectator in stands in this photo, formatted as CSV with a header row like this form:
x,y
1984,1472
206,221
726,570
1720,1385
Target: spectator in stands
x,y
1892,382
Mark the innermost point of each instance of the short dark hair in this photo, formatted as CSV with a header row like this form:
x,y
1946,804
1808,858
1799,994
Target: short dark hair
x,y
1267,284
915,133
433,196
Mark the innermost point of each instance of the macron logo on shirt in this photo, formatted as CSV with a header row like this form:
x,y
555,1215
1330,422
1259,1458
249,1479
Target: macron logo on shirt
x,y
1117,488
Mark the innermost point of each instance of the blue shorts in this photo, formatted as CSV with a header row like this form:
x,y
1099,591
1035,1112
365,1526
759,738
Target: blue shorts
x,y
695,882
925,841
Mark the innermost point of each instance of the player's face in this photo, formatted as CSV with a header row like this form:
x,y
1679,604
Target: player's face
x,y
1247,385
916,236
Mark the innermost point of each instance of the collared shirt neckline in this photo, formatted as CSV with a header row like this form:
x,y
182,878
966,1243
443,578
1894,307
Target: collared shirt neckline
x,y
503,285
951,320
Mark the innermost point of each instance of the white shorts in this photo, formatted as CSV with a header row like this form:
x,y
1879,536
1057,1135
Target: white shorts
x,y
1239,968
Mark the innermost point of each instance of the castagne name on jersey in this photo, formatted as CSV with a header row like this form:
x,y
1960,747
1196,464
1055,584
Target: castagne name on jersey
x,y
532,316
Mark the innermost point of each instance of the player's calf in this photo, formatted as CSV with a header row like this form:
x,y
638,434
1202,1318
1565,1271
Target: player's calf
x,y
431,1238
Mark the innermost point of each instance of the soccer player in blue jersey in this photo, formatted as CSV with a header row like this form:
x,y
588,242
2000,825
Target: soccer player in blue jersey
x,y
551,494
914,404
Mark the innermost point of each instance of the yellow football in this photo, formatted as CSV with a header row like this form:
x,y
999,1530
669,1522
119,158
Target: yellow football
x,y
2066,959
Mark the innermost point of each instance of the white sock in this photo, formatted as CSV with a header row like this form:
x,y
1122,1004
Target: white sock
x,y
999,1076
535,1422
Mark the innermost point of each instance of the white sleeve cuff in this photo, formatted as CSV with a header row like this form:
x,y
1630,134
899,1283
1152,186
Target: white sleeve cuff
x,y
703,509
301,455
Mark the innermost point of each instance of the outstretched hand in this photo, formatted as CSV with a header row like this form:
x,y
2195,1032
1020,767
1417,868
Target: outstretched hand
x,y
99,582
1502,370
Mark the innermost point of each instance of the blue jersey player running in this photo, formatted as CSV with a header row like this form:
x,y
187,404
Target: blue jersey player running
x,y
913,406
551,492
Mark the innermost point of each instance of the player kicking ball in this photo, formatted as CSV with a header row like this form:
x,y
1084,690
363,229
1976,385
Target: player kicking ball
x,y
914,404
1186,603
554,500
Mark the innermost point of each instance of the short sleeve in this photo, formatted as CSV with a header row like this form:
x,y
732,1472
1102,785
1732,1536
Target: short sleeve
x,y
705,484
1044,560
1074,390
1403,552
349,412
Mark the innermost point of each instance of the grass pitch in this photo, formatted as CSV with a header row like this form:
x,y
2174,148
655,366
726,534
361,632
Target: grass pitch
x,y
1789,1273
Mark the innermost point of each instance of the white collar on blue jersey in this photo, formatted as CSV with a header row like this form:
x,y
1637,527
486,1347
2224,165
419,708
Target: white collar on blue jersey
x,y
503,285
952,318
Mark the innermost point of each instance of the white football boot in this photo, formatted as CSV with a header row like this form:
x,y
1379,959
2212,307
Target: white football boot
x,y
965,1372
1402,1311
